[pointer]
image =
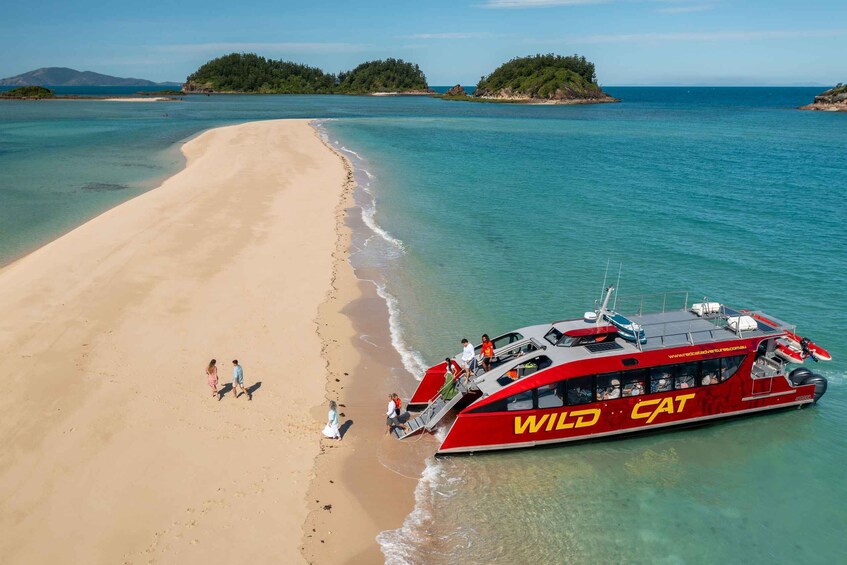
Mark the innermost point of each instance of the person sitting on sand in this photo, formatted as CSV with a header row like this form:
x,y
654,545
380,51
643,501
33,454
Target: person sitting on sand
x,y
331,430
212,378
391,420
238,380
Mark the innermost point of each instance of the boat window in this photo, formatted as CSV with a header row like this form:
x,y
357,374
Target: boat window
x,y
608,386
551,396
524,369
729,366
506,339
508,353
686,375
520,401
496,406
580,390
710,369
533,365
553,336
634,383
661,378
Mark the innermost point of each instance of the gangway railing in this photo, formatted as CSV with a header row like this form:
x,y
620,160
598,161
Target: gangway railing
x,y
435,411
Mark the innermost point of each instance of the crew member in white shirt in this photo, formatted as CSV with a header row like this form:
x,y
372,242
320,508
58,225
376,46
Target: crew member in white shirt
x,y
468,359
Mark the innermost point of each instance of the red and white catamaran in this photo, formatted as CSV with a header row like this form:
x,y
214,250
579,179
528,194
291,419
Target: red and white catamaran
x,y
609,374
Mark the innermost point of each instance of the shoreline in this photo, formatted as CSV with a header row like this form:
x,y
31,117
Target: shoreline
x,y
528,101
115,452
368,479
98,98
825,107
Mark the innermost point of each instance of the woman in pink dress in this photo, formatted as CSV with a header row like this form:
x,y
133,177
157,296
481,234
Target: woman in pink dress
x,y
212,375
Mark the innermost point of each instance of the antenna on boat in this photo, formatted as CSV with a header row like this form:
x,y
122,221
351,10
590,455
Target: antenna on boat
x,y
620,267
603,288
602,312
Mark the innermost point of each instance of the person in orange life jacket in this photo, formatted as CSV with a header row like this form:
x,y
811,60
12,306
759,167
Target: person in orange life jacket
x,y
487,352
391,419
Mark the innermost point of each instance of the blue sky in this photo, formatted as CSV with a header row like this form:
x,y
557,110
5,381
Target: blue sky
x,y
721,42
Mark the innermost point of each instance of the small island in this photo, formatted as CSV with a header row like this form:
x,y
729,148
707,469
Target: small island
x,y
248,73
833,100
28,93
538,79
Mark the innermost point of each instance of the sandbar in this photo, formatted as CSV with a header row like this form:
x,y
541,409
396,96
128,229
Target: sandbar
x,y
114,450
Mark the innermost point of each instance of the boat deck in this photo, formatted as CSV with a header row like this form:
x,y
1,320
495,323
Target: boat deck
x,y
682,327
664,329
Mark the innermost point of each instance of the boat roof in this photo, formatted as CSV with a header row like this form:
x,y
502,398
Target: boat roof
x,y
663,329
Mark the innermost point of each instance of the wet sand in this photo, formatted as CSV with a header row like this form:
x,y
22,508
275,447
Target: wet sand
x,y
368,478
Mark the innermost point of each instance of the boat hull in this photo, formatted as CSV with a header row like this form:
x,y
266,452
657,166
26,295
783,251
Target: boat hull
x,y
481,431
692,422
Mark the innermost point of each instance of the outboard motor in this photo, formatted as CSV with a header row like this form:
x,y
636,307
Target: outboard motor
x,y
803,376
819,382
798,375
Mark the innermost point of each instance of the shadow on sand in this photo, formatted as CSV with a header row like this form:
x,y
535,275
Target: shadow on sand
x,y
342,429
227,388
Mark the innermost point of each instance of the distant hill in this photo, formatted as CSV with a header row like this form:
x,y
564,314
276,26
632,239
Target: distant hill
x,y
250,73
63,76
543,78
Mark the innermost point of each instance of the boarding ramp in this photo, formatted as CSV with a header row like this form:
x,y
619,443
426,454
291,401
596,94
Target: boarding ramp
x,y
431,415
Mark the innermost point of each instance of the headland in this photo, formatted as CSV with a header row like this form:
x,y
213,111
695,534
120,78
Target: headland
x,y
833,100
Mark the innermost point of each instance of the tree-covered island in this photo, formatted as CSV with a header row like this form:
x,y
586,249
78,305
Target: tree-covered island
x,y
28,93
250,73
540,79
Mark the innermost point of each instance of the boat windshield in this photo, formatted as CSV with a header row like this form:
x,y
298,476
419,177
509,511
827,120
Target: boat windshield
x,y
553,336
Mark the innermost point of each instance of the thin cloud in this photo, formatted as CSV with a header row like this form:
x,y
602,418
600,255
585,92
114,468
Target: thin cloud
x,y
686,9
498,4
453,35
288,47
706,36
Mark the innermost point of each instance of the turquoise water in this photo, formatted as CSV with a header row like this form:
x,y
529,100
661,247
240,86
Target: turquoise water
x,y
490,217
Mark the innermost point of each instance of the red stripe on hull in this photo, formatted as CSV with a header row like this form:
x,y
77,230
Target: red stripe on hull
x,y
525,428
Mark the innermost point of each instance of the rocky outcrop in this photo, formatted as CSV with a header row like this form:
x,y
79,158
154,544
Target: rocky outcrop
x,y
833,100
192,87
457,90
559,96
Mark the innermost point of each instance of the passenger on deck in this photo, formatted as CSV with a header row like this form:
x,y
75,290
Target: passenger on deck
x,y
487,352
637,389
448,389
468,359
710,379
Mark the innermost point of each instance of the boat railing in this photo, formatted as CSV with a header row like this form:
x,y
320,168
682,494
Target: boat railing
x,y
639,304
516,348
688,332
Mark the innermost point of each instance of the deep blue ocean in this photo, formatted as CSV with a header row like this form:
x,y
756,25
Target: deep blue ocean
x,y
487,217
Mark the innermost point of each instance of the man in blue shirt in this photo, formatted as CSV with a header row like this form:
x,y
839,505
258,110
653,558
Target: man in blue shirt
x,y
238,380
